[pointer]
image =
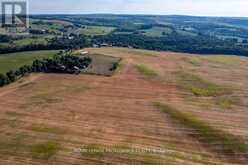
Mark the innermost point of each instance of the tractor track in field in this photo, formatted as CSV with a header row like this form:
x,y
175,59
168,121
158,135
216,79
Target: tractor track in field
x,y
101,111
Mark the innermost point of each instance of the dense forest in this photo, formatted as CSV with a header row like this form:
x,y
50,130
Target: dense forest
x,y
174,42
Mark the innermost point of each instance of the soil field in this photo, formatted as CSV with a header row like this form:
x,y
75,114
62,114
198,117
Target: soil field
x,y
102,64
89,119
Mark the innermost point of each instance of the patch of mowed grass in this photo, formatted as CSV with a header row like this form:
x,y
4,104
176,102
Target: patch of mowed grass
x,y
194,60
205,91
47,129
97,150
14,114
146,71
219,140
44,150
103,152
46,94
12,145
93,150
228,102
12,120
226,59
199,86
157,31
78,88
195,63
30,41
44,99
138,52
96,30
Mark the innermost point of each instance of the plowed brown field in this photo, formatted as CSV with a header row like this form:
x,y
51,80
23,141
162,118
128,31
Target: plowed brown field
x,y
48,118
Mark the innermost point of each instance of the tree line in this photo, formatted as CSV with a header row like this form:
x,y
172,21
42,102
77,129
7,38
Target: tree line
x,y
65,42
58,64
201,44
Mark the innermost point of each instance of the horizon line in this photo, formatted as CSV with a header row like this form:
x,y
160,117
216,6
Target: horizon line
x,y
139,14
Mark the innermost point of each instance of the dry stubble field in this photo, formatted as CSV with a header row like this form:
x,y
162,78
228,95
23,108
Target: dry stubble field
x,y
55,119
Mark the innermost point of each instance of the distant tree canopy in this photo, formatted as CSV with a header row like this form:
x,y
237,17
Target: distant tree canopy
x,y
4,38
63,42
199,43
70,42
175,42
59,64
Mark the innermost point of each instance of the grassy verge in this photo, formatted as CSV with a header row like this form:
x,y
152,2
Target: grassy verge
x,y
47,129
225,103
219,140
44,150
141,155
193,60
118,66
146,71
14,114
228,102
10,146
226,60
199,86
48,93
103,152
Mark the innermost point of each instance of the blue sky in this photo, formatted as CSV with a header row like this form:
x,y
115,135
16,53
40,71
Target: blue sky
x,y
180,7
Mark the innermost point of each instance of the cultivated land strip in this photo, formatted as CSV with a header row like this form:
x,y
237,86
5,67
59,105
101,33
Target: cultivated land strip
x,y
55,115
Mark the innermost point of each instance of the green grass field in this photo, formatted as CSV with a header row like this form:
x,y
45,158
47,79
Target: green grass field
x,y
13,61
161,31
186,33
96,30
50,25
146,71
157,31
24,42
30,41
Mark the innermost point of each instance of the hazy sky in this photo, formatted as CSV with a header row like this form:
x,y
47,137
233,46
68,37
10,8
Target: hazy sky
x,y
180,7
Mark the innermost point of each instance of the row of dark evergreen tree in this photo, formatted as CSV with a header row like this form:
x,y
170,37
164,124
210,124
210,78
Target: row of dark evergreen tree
x,y
58,64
